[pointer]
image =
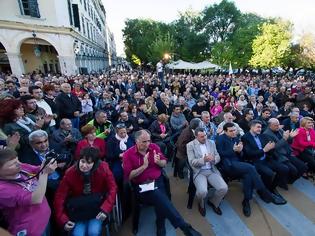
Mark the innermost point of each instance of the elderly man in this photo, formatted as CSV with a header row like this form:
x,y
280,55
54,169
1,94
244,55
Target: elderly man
x,y
68,105
292,122
283,151
229,118
142,164
210,128
203,156
65,139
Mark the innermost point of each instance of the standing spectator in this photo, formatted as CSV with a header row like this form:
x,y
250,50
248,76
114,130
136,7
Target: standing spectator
x,y
160,73
68,105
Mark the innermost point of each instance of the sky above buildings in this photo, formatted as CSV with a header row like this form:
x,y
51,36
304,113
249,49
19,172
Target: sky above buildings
x,y
301,12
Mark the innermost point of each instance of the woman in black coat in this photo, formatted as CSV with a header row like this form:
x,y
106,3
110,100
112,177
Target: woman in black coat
x,y
117,144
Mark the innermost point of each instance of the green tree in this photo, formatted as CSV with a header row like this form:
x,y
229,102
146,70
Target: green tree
x,y
139,34
190,44
307,50
238,48
272,47
161,45
219,21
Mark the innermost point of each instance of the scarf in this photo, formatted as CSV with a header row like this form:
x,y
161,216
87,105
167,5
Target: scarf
x,y
122,143
26,123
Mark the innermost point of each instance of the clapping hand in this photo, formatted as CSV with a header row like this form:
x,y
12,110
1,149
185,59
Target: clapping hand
x,y
13,140
146,160
101,216
294,133
69,225
157,157
208,158
269,146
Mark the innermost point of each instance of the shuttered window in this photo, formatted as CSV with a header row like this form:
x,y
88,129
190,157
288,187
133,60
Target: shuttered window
x,y
29,8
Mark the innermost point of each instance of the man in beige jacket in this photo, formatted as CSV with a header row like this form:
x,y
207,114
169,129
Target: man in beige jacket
x,y
203,156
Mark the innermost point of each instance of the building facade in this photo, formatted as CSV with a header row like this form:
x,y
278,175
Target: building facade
x,y
66,36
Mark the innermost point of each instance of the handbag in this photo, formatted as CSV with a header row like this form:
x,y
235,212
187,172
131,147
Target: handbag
x,y
84,207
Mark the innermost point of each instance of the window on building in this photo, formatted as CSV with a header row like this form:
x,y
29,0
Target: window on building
x,y
29,8
76,15
84,4
83,25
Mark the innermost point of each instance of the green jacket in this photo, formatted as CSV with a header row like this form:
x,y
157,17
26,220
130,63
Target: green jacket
x,y
100,128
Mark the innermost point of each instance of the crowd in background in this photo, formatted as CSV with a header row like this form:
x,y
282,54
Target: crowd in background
x,y
90,122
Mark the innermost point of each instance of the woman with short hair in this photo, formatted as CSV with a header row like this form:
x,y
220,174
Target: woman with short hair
x,y
86,195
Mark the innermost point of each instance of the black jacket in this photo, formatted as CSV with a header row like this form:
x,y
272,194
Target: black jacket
x,y
251,151
67,105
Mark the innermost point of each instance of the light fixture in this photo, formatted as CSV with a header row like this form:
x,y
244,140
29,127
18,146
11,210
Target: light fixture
x,y
37,50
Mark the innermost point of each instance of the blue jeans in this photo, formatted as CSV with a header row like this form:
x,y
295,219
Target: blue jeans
x,y
92,227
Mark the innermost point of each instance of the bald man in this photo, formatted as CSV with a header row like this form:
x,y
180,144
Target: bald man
x,y
283,152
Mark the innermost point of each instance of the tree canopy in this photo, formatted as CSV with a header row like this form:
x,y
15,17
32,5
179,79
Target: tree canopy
x,y
222,34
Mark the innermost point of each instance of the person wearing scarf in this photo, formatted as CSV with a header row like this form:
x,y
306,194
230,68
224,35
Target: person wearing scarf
x,y
116,145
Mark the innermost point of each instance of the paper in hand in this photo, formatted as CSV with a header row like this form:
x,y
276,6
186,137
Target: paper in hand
x,y
147,187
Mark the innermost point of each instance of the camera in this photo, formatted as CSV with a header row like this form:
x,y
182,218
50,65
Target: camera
x,y
60,158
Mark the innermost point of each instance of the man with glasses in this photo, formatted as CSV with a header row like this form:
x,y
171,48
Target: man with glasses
x,y
142,165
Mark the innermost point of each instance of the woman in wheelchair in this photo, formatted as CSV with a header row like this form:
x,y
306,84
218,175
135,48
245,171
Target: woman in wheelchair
x,y
86,195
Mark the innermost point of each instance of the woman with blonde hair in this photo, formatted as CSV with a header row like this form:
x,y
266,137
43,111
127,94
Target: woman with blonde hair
x,y
303,144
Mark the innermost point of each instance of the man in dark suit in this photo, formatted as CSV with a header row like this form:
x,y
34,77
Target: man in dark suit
x,y
282,151
257,150
265,115
248,116
231,152
292,122
68,105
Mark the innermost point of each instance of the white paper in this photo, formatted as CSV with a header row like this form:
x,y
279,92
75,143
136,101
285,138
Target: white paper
x,y
147,187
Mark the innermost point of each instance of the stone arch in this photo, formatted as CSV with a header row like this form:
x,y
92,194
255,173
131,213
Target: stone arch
x,y
40,36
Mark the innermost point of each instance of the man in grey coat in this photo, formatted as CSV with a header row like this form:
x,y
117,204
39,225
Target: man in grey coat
x,y
203,156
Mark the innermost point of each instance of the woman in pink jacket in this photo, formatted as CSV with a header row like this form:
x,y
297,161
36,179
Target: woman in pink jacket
x,y
303,144
216,109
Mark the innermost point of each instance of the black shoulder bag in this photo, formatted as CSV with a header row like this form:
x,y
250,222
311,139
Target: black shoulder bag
x,y
84,207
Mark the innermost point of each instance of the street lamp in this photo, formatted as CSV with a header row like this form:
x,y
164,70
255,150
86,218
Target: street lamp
x,y
37,51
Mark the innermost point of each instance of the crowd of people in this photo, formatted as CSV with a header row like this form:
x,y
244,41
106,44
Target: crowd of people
x,y
71,143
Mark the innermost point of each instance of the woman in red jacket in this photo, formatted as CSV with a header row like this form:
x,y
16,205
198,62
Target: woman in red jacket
x,y
90,140
303,144
86,195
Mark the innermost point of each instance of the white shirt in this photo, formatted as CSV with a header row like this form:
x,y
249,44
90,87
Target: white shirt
x,y
159,67
204,151
43,104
